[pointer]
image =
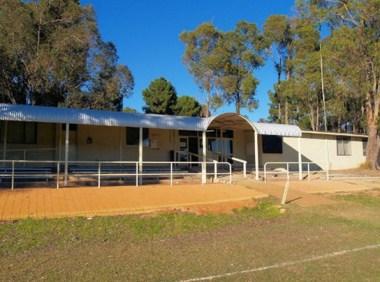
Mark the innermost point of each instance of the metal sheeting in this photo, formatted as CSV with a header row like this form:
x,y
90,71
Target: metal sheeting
x,y
95,117
107,118
277,129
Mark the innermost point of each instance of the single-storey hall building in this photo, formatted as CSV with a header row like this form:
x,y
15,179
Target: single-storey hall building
x,y
68,135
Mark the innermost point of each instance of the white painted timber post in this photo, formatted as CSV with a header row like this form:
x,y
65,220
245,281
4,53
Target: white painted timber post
x,y
257,155
327,159
299,159
5,140
204,169
141,145
66,153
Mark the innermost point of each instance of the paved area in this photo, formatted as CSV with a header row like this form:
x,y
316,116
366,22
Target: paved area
x,y
89,201
310,193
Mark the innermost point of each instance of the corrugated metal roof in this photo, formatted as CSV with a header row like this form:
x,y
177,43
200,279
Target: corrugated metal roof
x,y
96,117
277,129
108,118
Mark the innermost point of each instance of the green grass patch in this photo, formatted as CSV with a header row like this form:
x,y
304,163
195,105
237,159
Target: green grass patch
x,y
362,199
24,235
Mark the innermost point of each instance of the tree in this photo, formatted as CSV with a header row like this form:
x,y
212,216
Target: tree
x,y
109,82
46,49
200,58
129,110
279,35
187,106
239,51
223,62
355,40
160,97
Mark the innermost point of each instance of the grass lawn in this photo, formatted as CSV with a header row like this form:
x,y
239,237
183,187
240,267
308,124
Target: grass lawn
x,y
176,246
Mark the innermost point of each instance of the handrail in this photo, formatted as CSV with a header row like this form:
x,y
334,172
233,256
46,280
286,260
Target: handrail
x,y
287,169
244,162
100,170
25,151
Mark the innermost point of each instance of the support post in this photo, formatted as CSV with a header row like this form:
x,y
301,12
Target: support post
x,y
171,174
66,153
257,155
299,159
327,159
5,140
141,144
215,170
204,177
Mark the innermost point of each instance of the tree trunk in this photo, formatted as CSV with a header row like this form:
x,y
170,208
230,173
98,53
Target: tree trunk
x,y
372,145
238,103
286,118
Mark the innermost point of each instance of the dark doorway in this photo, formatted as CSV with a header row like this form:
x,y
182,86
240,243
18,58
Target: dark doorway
x,y
193,148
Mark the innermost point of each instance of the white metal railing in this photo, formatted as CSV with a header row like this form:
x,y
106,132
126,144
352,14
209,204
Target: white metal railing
x,y
244,162
287,169
24,152
100,171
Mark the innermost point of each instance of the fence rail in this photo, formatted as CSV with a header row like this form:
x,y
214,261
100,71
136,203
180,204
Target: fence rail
x,y
99,170
287,168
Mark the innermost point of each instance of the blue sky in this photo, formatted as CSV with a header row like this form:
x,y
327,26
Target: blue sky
x,y
146,34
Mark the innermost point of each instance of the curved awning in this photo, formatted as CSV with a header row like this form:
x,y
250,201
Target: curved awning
x,y
236,121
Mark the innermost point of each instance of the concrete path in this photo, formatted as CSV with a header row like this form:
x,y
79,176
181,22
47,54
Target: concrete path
x,y
85,201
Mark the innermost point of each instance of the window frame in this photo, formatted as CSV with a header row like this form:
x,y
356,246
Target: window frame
x,y
24,129
340,140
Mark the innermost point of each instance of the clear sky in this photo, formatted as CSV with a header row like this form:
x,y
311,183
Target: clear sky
x,y
146,34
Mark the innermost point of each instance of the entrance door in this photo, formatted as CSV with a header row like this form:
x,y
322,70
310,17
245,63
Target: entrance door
x,y
193,148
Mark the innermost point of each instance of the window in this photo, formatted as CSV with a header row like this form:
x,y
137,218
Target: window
x,y
364,144
343,146
22,132
272,144
133,136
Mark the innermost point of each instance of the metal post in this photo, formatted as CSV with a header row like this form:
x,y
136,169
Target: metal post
x,y
58,168
287,171
137,174
245,169
215,170
257,155
141,153
285,194
204,177
299,159
13,175
230,166
66,153
327,159
5,140
308,171
171,174
265,173
99,172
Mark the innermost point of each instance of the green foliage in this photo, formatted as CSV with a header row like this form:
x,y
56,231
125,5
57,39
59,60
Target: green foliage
x,y
160,97
223,62
129,110
51,53
187,106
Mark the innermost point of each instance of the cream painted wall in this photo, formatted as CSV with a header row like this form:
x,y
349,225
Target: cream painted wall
x,y
313,148
109,143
